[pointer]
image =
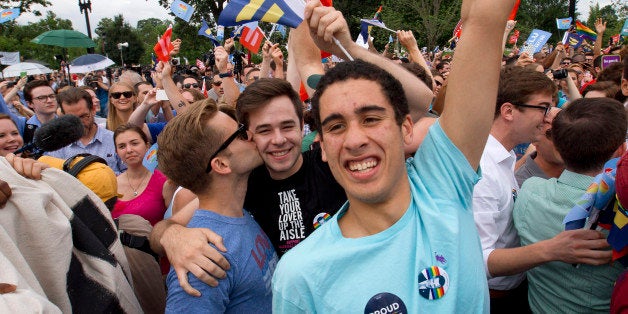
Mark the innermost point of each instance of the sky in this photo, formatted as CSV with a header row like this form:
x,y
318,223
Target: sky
x,y
135,10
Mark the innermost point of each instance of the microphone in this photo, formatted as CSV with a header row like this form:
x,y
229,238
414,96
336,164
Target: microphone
x,y
56,134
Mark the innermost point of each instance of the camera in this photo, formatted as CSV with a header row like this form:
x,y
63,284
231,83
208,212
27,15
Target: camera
x,y
559,74
174,61
210,59
237,60
91,81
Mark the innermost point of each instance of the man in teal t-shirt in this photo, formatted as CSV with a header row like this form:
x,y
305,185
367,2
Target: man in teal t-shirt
x,y
405,241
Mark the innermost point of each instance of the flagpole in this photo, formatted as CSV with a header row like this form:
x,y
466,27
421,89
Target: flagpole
x,y
338,43
272,30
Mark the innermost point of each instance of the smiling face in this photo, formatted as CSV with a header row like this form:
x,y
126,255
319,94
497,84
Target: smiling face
x,y
130,147
123,103
362,141
10,139
277,135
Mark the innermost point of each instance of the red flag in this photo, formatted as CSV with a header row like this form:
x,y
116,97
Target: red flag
x,y
251,39
615,39
204,89
514,37
164,46
200,65
513,13
303,93
458,29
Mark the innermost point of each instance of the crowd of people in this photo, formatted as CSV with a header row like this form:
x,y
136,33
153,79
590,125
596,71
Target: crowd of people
x,y
401,182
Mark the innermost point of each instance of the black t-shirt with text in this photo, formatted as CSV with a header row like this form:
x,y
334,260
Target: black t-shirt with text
x,y
291,209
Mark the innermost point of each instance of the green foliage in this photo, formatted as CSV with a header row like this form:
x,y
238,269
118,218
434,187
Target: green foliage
x,y
24,5
608,15
148,30
14,37
111,32
541,14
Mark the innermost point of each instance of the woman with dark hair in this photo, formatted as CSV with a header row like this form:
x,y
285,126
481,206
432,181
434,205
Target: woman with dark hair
x,y
142,193
10,138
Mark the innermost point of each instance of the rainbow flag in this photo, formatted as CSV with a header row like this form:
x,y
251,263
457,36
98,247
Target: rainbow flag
x,y
585,32
9,15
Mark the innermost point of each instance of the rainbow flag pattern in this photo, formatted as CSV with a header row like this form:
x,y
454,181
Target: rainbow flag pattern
x,y
433,283
585,32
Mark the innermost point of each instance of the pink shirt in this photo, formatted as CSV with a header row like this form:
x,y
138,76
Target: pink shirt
x,y
150,204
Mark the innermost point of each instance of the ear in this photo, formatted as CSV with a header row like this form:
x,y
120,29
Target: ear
x,y
624,86
221,165
407,130
620,150
323,155
506,111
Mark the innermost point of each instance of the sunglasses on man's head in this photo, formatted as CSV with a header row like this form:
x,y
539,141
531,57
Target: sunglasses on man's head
x,y
117,95
190,85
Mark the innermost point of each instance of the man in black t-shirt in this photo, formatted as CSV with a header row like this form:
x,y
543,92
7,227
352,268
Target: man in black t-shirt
x,y
294,193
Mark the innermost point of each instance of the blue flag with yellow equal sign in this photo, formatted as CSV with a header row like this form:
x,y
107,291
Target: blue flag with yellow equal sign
x,y
207,32
182,10
284,12
7,15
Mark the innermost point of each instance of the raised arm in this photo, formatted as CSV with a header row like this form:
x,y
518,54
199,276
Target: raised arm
x,y
472,85
177,101
306,55
600,28
232,92
406,38
327,22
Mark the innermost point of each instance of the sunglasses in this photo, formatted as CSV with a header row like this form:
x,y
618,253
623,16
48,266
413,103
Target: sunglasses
x,y
241,132
117,95
565,63
191,85
217,83
438,83
545,108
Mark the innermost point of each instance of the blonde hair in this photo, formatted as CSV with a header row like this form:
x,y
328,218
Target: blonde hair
x,y
113,120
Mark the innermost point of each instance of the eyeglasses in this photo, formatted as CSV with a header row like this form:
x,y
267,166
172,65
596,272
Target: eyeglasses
x,y
565,63
217,83
117,95
545,108
193,85
46,97
241,132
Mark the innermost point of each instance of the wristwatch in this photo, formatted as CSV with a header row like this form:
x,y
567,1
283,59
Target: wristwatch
x,y
226,74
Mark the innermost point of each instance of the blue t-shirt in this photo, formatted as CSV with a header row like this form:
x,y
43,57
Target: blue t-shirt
x,y
247,288
430,261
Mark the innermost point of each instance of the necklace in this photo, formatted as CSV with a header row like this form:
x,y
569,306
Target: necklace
x,y
139,186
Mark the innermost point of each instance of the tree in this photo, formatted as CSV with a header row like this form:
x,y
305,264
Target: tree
x,y
24,5
608,15
432,21
541,14
111,32
148,30
14,37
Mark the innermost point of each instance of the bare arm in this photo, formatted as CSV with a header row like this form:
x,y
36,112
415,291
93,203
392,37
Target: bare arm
x,y
472,86
232,92
326,22
306,55
277,56
188,251
264,71
600,28
139,114
510,25
573,247
406,38
177,101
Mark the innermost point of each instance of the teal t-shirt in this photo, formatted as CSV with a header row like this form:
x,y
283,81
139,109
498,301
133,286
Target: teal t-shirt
x,y
429,261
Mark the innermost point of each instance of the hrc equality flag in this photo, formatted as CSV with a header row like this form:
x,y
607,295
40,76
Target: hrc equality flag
x,y
11,14
285,12
564,23
585,32
207,32
182,10
251,38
